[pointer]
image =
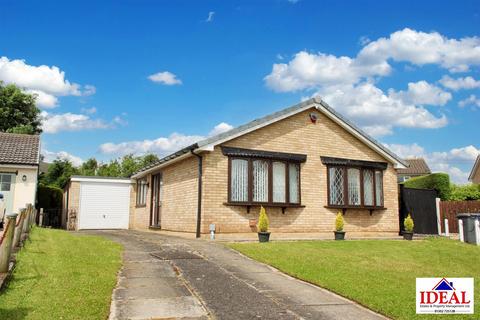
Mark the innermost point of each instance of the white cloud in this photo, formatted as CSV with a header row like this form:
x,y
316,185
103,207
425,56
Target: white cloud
x,y
472,100
348,83
166,78
44,78
450,161
364,40
161,146
44,100
377,112
459,83
423,93
422,48
210,16
49,156
220,128
54,123
48,83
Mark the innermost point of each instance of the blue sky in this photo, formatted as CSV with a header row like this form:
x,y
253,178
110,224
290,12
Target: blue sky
x,y
151,76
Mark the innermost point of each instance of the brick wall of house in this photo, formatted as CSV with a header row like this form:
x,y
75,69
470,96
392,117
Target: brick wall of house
x,y
179,198
298,134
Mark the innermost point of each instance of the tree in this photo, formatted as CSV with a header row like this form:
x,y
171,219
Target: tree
x,y
18,112
89,167
59,172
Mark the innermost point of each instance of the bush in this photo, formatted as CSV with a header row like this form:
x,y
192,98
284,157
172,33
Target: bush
x,y
49,197
437,181
408,223
465,192
263,220
339,222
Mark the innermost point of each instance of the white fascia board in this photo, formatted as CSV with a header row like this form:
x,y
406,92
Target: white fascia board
x,y
211,146
361,137
156,168
100,180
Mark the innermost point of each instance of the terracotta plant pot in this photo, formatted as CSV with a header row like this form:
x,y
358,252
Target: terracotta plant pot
x,y
339,235
407,235
264,236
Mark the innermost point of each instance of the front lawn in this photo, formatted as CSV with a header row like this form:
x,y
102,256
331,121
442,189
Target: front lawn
x,y
60,275
379,274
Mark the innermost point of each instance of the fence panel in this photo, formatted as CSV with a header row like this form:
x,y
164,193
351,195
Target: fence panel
x,y
450,209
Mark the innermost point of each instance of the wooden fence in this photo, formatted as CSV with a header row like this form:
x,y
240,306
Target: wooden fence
x,y
450,209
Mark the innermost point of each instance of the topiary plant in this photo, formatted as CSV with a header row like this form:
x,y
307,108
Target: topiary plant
x,y
263,220
339,222
408,223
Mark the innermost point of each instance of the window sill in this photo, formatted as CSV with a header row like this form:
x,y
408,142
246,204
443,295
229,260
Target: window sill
x,y
344,208
284,206
140,206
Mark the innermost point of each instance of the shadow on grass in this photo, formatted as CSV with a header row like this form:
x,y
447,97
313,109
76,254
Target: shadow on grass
x,y
14,314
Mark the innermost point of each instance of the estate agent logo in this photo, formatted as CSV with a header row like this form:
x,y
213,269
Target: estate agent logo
x,y
441,295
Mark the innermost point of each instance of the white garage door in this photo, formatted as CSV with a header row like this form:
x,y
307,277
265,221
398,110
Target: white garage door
x,y
104,205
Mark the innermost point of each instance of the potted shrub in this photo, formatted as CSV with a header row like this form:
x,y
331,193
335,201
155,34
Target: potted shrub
x,y
408,225
339,233
263,234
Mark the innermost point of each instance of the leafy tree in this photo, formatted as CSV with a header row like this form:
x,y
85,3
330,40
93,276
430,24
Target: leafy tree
x,y
89,167
147,160
465,192
18,112
58,173
111,169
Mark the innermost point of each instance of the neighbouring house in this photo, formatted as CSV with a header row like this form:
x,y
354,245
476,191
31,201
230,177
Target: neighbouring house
x,y
96,203
303,164
474,176
19,158
416,167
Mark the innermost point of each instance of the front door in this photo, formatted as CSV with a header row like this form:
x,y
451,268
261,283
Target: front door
x,y
7,188
156,207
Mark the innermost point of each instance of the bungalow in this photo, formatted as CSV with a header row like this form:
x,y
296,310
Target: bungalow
x,y
474,176
417,167
19,158
303,164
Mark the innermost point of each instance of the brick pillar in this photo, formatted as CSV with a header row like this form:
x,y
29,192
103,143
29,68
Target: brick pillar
x,y
6,242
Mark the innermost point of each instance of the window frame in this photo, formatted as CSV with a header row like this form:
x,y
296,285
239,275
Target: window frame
x,y
346,204
270,201
141,184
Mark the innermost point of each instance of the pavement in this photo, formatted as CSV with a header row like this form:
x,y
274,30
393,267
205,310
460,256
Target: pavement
x,y
166,277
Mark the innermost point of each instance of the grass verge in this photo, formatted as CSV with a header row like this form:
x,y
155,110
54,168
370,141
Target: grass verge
x,y
379,274
61,275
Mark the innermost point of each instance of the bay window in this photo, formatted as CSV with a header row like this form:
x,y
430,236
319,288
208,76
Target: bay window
x,y
263,178
354,183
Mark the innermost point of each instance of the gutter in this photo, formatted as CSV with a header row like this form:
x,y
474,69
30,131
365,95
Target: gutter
x,y
199,203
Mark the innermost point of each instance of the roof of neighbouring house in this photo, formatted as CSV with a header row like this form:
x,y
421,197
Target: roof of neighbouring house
x,y
23,149
475,168
415,166
320,105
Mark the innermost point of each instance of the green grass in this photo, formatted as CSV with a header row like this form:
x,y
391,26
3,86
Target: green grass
x,y
61,275
379,274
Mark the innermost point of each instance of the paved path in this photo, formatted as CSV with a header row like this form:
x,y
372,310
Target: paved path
x,y
166,277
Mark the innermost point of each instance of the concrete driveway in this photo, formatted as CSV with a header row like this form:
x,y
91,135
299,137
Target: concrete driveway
x,y
166,277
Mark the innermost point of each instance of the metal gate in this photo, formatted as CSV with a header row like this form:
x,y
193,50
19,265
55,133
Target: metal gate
x,y
420,203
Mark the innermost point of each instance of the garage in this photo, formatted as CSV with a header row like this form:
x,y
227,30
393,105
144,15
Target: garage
x,y
97,203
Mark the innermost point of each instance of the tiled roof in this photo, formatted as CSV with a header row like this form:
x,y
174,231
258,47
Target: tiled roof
x,y
19,148
415,166
257,123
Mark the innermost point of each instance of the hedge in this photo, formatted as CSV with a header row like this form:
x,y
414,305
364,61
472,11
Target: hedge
x,y
437,181
49,197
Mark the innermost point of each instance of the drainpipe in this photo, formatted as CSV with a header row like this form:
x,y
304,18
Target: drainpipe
x,y
199,205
